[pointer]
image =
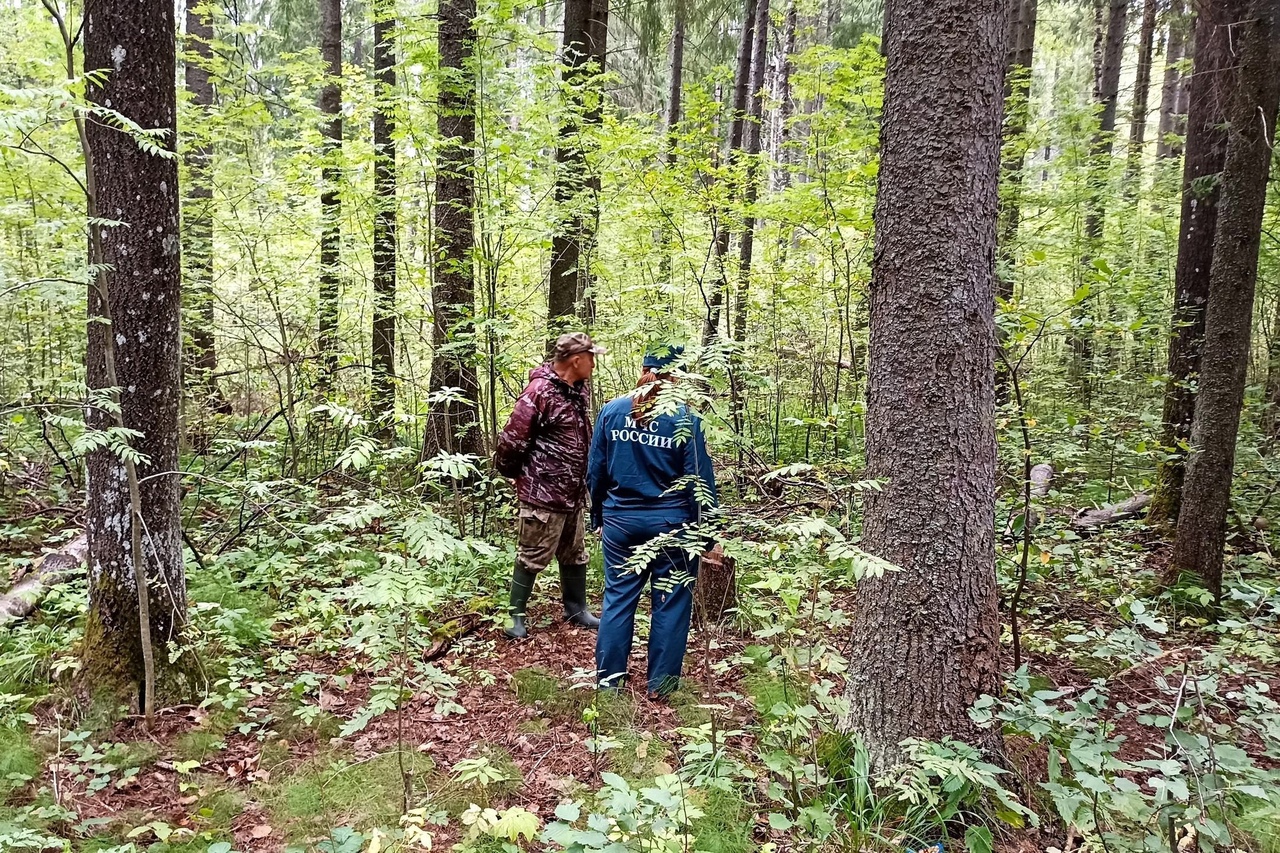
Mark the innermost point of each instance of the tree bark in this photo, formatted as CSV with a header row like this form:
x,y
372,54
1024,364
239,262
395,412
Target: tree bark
x,y
1271,424
1141,91
782,155
330,177
383,384
1202,518
454,425
577,191
671,122
751,152
926,638
1174,83
202,360
733,149
1206,146
1105,94
134,343
1017,86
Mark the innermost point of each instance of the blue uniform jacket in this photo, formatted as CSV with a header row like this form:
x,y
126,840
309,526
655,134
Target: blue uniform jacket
x,y
633,467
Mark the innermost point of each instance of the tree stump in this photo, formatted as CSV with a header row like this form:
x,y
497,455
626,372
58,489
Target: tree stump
x,y
716,593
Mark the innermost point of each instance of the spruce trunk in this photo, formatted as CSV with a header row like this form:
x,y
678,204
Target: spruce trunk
x,y
926,638
1202,519
1206,147
454,425
577,191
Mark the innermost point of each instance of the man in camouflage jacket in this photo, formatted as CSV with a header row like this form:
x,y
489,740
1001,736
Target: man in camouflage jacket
x,y
544,446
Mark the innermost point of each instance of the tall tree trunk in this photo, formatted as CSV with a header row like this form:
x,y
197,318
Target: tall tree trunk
x,y
330,176
1105,94
1017,86
671,122
1271,424
1211,85
737,126
751,150
1174,82
383,385
1141,92
782,155
202,360
926,638
577,189
1202,519
454,425
134,344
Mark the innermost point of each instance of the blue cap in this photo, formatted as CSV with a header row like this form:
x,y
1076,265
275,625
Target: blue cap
x,y
662,356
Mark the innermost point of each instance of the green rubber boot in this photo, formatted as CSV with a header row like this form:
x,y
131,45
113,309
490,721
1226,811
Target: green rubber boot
x,y
573,591
521,587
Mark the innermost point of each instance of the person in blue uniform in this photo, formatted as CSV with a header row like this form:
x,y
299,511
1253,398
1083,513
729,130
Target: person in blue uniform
x,y
649,473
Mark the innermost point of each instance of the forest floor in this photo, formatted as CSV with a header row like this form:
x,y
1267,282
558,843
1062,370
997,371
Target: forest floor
x,y
321,727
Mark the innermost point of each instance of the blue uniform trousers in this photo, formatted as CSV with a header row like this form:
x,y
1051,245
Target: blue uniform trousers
x,y
670,574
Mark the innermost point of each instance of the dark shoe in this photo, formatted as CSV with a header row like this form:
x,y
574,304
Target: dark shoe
x,y
521,587
573,591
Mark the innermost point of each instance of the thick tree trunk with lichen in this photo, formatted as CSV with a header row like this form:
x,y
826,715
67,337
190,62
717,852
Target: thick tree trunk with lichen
x,y
1202,518
926,638
135,43
1206,148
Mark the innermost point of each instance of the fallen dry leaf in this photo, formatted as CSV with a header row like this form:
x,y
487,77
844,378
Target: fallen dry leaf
x,y
262,830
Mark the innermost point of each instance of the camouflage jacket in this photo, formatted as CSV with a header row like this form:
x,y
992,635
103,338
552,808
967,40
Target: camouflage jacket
x,y
545,443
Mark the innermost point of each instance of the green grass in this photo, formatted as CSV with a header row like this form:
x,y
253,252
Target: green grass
x,y
18,759
688,704
454,796
198,745
322,727
553,696
332,790
616,711
726,825
767,690
127,756
637,760
1263,825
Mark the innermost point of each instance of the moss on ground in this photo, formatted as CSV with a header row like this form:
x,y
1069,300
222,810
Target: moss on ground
x,y
455,795
333,789
726,824
553,696
19,761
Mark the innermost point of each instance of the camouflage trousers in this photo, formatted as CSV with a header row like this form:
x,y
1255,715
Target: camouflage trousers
x,y
545,535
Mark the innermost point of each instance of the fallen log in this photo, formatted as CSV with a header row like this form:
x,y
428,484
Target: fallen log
x,y
26,594
1092,519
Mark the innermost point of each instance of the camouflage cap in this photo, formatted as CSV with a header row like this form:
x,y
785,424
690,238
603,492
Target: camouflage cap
x,y
576,342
